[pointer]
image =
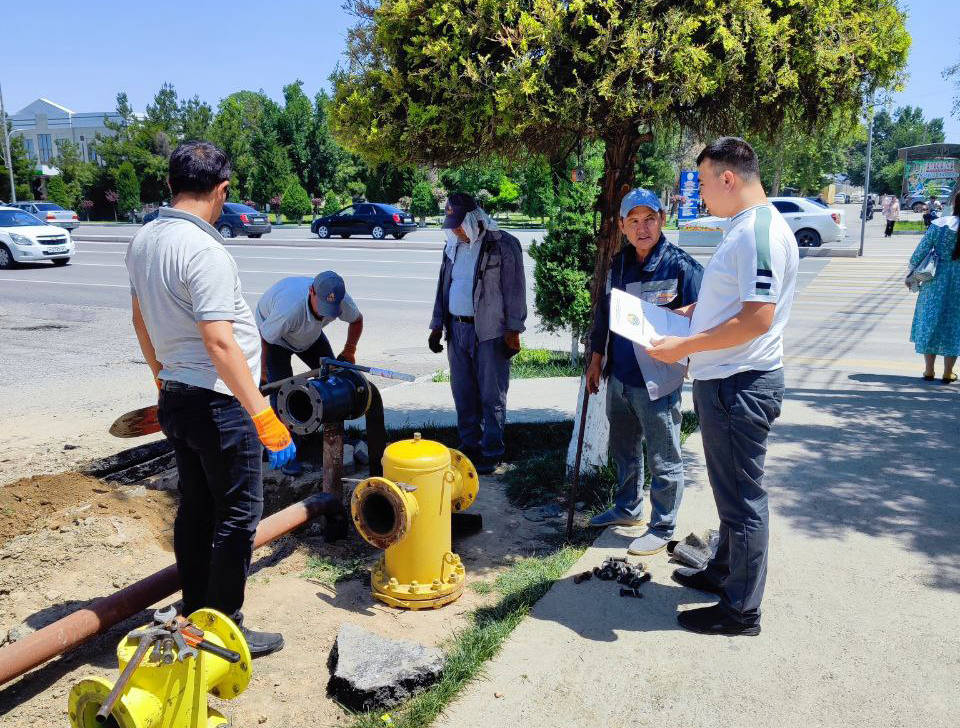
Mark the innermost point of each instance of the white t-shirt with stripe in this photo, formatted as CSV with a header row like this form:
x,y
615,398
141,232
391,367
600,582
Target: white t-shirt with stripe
x,y
757,261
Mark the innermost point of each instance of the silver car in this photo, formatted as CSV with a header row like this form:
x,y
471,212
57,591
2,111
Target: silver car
x,y
50,213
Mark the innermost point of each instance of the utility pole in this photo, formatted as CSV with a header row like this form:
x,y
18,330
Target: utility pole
x,y
6,150
866,176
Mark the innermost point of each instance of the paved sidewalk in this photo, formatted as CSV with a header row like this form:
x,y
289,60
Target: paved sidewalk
x,y
863,596
862,603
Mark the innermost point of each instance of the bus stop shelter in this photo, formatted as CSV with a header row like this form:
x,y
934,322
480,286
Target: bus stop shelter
x,y
926,163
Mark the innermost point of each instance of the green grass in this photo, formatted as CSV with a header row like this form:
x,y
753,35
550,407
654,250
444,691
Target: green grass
x,y
534,364
519,588
909,226
539,475
331,571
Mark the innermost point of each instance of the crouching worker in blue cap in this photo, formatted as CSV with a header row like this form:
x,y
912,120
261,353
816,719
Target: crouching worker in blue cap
x,y
481,304
292,315
643,404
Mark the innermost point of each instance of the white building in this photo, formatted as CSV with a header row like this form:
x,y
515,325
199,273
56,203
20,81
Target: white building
x,y
43,122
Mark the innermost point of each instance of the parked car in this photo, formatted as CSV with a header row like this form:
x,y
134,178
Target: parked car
x,y
234,220
238,219
841,198
53,214
25,238
812,223
365,218
139,216
917,201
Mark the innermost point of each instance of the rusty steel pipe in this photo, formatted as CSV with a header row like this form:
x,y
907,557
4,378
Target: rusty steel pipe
x,y
74,629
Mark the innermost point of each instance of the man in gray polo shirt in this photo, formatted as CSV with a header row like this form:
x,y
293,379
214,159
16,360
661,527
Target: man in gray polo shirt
x,y
200,341
291,315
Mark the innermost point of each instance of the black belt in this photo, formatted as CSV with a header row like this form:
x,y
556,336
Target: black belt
x,y
463,319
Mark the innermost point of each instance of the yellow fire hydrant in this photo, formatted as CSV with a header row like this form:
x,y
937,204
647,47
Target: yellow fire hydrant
x,y
407,512
165,675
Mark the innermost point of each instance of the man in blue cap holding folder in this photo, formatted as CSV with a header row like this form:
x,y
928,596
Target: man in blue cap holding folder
x,y
642,406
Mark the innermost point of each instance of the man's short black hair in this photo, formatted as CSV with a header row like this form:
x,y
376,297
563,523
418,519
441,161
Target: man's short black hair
x,y
734,154
197,167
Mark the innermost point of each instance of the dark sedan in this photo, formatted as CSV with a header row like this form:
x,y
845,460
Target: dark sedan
x,y
234,220
365,218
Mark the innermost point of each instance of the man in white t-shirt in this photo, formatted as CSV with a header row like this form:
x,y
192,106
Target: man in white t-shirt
x,y
736,360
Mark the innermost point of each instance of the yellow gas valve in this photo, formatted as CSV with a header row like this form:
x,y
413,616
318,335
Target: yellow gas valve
x,y
167,669
407,512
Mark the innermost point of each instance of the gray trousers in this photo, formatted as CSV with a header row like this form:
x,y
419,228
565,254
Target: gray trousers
x,y
635,420
736,414
479,378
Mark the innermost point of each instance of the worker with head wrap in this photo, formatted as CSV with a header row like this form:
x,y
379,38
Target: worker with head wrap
x,y
481,306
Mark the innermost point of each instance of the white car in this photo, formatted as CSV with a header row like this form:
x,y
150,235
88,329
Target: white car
x,y
27,239
812,223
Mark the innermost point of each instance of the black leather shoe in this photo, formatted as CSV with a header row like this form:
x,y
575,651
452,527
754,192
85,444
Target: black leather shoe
x,y
716,620
696,579
262,643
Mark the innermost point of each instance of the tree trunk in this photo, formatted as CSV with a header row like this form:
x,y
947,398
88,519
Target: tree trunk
x,y
619,162
778,175
574,346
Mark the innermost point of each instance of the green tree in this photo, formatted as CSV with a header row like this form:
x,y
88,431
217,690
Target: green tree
x,y
906,127
24,170
58,193
294,128
536,188
508,193
296,203
196,116
797,158
239,117
128,188
422,202
271,169
425,82
325,156
78,176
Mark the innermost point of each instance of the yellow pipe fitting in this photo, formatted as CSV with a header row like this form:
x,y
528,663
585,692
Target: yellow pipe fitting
x,y
407,513
169,695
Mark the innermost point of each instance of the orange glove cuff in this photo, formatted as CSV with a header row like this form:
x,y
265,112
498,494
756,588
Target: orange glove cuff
x,y
271,430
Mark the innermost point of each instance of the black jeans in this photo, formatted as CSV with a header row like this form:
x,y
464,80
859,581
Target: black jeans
x,y
889,229
279,360
221,494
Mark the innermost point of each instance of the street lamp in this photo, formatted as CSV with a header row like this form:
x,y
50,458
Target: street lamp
x,y
6,150
866,177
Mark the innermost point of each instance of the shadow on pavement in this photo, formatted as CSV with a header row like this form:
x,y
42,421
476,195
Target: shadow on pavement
x,y
880,462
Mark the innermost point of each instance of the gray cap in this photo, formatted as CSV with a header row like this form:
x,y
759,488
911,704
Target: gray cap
x,y
330,291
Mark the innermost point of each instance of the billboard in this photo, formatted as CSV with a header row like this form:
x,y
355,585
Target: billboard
x,y
918,173
690,192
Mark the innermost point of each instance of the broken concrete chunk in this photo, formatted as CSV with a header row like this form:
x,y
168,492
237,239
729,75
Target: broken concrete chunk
x,y
369,672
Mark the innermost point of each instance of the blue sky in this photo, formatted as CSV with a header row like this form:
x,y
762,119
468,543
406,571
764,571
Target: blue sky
x,y
81,54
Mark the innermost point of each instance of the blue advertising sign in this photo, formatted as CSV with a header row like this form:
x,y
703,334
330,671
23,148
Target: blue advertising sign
x,y
690,192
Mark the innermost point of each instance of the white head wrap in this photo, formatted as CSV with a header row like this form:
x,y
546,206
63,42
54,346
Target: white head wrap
x,y
471,226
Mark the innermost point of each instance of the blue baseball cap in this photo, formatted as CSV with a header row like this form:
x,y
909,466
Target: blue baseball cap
x,y
330,291
458,205
639,197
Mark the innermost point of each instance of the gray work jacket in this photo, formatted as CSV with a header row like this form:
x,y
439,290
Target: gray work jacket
x,y
499,288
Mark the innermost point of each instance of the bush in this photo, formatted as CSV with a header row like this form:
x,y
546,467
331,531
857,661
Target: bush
x,y
295,203
334,203
423,202
128,189
59,194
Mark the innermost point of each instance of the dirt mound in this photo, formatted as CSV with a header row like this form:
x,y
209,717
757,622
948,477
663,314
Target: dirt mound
x,y
50,501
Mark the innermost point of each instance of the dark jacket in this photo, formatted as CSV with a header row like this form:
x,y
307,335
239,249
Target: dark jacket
x,y
669,277
499,288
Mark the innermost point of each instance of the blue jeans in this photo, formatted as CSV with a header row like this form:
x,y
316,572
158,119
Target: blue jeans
x,y
635,420
479,378
736,414
221,494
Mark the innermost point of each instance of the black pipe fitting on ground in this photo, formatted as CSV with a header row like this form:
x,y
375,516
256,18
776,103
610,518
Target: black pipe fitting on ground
x,y
582,577
629,592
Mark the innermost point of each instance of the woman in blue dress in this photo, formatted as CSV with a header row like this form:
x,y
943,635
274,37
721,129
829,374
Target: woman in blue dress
x,y
936,320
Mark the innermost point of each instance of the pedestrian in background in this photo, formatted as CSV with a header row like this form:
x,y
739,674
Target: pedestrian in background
x,y
932,211
936,319
481,304
891,211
